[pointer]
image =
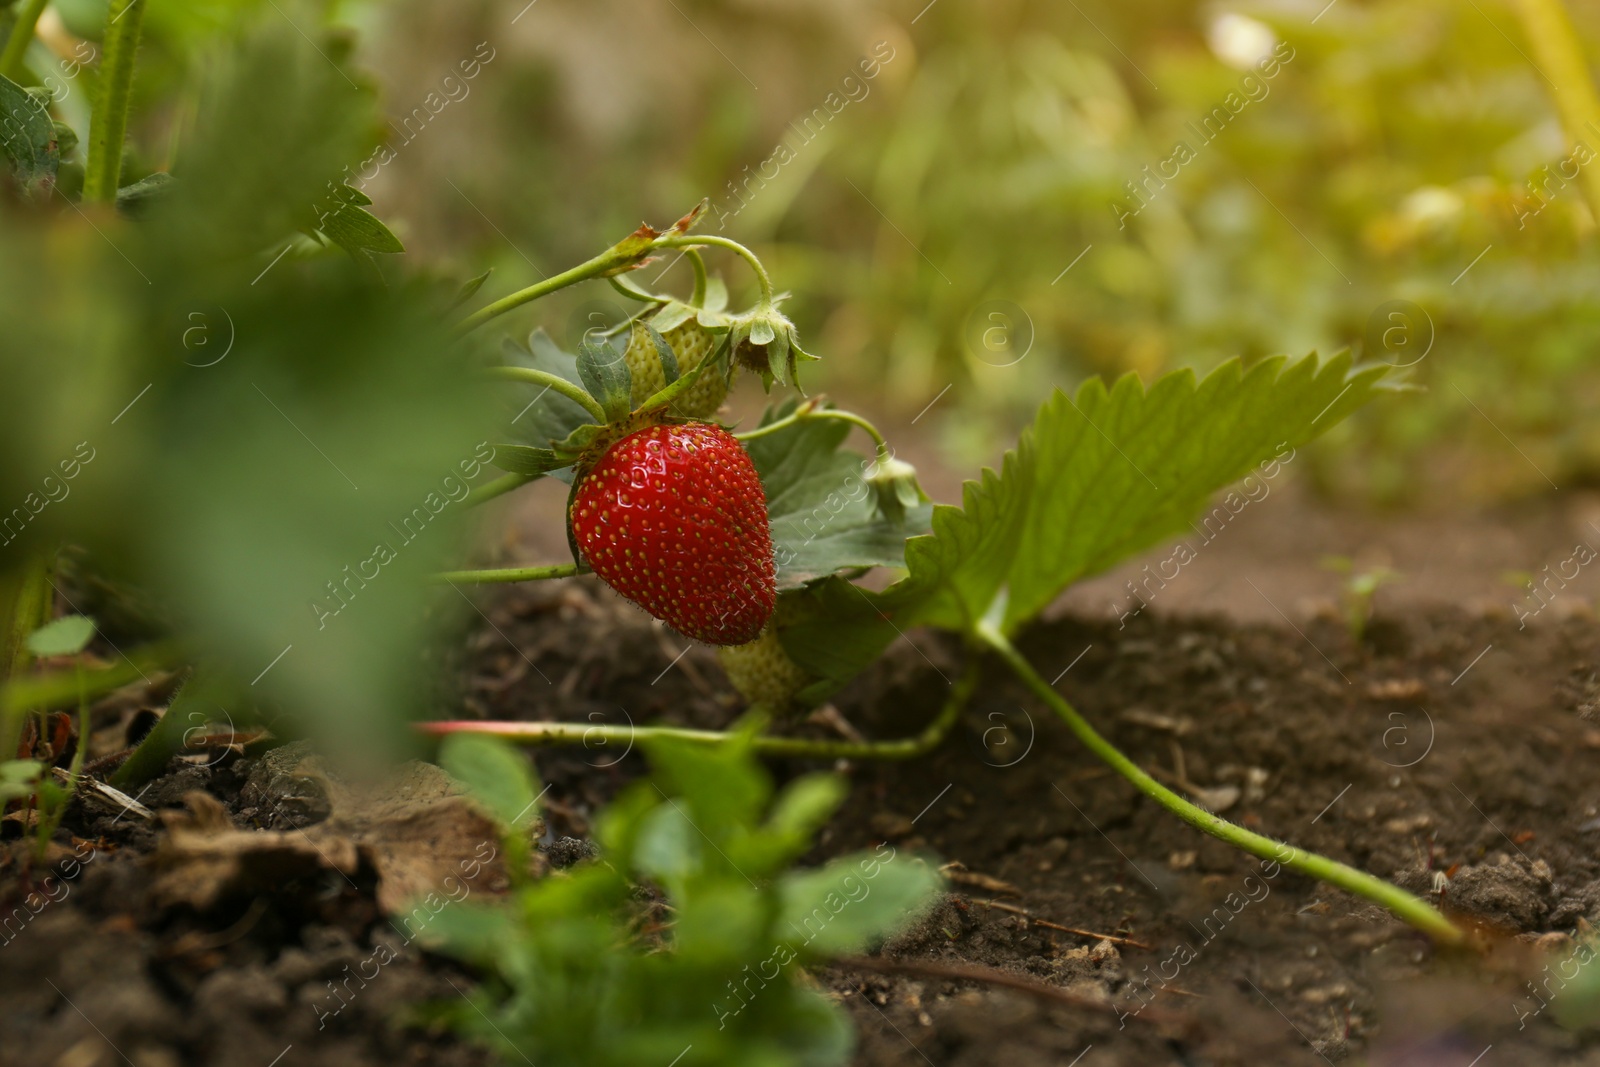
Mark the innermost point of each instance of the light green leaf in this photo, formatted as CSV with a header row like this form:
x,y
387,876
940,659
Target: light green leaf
x,y
855,901
65,636
355,229
819,504
1096,479
496,775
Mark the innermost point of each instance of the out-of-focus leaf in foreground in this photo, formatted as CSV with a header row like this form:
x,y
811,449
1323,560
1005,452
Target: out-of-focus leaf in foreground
x,y
279,445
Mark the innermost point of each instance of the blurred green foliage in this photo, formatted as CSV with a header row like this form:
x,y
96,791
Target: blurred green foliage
x,y
1393,146
223,410
683,942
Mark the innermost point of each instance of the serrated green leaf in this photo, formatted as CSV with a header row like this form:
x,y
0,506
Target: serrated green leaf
x,y
65,636
856,900
819,505
496,775
28,136
605,375
1094,480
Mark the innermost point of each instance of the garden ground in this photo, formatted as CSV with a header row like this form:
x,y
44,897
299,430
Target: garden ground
x,y
1449,750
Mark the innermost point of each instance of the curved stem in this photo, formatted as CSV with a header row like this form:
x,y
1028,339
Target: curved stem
x,y
1404,905
498,487
108,122
575,393
606,262
698,297
21,37
510,574
60,688
577,733
803,412
691,240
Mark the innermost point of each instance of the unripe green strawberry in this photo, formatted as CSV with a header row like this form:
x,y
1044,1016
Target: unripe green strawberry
x,y
762,671
673,517
692,344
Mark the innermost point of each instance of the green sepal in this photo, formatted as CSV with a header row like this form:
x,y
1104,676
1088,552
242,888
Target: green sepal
x,y
525,459
604,371
135,198
669,358
469,289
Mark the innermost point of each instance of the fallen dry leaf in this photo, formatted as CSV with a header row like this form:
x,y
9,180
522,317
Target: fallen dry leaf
x,y
416,831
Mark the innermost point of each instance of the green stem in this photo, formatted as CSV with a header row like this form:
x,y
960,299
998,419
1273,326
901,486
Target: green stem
x,y
21,36
1404,905
1561,62
576,733
691,240
575,393
804,412
27,606
606,262
698,298
499,487
510,574
108,121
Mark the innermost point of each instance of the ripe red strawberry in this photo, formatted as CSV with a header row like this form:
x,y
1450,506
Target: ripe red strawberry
x,y
674,519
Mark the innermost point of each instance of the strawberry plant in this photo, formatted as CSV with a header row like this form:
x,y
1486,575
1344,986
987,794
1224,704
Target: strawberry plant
x,y
1100,475
687,933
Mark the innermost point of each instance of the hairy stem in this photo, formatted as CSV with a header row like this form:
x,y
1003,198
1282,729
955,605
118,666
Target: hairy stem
x,y
622,737
108,121
1404,905
575,393
1559,58
510,574
21,36
605,263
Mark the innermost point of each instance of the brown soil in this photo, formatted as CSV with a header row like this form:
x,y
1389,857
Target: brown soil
x,y
1408,754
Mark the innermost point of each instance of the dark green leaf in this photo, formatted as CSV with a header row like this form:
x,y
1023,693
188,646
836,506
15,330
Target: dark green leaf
x,y
819,504
27,135
605,375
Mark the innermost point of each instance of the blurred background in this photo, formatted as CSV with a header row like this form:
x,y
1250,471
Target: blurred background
x,y
945,188
969,203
